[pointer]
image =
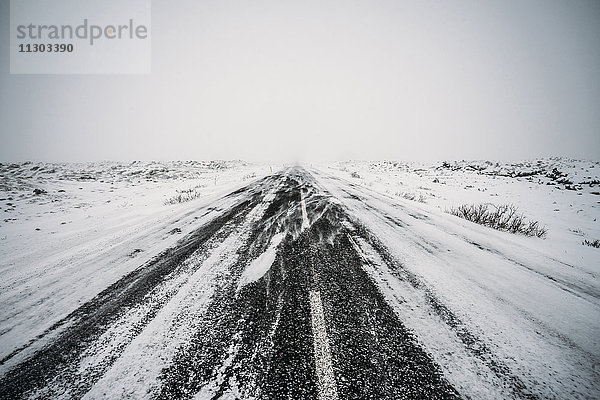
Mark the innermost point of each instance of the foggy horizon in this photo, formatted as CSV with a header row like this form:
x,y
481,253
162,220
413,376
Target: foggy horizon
x,y
310,82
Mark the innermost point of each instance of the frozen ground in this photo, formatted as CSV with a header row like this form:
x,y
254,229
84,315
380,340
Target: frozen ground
x,y
345,280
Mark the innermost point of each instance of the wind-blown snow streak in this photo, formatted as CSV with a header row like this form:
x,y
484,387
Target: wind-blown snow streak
x,y
259,267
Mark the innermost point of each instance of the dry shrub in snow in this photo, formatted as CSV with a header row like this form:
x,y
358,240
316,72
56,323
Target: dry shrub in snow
x,y
184,195
505,217
412,196
594,243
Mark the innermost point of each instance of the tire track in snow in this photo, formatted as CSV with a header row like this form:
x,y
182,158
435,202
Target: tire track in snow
x,y
461,367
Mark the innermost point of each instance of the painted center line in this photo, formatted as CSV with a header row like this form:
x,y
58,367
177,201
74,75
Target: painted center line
x,y
325,378
305,221
327,389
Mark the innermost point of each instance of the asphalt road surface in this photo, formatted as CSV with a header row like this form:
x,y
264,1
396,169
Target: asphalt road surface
x,y
271,299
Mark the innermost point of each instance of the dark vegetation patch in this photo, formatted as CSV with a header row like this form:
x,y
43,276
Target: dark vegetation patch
x,y
504,217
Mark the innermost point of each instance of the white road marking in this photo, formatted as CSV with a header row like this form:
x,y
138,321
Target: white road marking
x,y
325,378
305,221
327,389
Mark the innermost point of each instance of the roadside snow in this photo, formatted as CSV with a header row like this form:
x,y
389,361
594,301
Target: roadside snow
x,y
562,194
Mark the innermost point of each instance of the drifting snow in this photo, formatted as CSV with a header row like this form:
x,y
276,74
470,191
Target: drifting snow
x,y
259,267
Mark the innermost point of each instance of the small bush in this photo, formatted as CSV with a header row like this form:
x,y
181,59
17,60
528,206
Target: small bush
x,y
412,196
595,243
504,217
184,195
355,174
591,183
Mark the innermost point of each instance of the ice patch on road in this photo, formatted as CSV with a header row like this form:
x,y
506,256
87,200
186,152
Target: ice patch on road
x,y
259,267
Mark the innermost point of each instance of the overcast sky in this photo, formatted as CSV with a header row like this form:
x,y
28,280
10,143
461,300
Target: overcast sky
x,y
321,80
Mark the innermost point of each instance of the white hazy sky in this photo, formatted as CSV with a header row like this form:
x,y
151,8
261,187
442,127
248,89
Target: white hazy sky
x,y
323,80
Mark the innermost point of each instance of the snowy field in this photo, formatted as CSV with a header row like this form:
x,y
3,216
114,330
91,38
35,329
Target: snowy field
x,y
535,300
562,194
500,315
68,231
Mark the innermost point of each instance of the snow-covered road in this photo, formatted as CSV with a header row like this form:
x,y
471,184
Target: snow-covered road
x,y
306,286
